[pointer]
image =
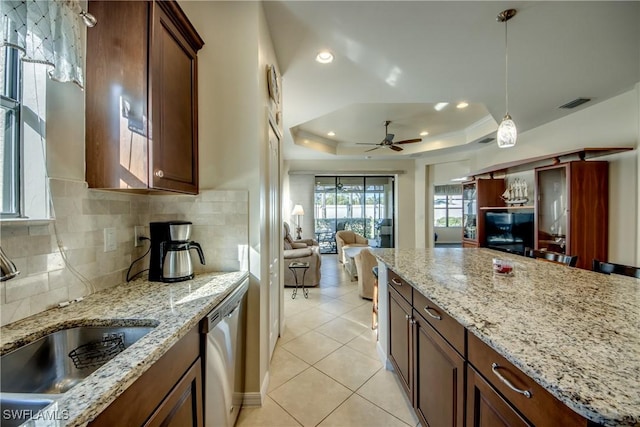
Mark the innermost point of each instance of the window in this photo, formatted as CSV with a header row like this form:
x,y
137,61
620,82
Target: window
x,y
10,122
23,175
447,206
363,204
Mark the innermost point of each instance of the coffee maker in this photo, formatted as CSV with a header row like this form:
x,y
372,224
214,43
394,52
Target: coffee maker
x,y
170,256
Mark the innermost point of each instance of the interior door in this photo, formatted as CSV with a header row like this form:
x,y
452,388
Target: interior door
x,y
275,237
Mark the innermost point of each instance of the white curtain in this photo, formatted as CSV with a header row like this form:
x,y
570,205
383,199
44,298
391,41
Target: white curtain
x,y
46,32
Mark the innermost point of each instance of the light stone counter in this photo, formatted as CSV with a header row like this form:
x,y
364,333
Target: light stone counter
x,y
575,332
174,307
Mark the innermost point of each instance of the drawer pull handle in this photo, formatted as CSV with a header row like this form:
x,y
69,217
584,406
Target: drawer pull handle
x,y
435,316
395,282
494,369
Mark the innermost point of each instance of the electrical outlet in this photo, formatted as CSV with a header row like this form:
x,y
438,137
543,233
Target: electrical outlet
x,y
110,241
138,231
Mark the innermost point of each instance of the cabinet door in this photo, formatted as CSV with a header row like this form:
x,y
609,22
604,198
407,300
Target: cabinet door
x,y
486,408
183,406
400,339
116,96
439,378
469,211
174,130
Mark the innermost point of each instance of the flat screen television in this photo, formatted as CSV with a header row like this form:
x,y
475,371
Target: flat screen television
x,y
509,231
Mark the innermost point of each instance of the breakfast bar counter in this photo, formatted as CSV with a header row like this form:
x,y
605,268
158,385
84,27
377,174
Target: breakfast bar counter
x,y
173,309
574,332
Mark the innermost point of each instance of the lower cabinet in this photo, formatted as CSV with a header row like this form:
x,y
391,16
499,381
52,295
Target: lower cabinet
x,y
400,339
453,379
169,393
439,378
486,408
183,406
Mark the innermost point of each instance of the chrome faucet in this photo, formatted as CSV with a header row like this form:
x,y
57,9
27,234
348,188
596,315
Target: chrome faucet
x,y
8,269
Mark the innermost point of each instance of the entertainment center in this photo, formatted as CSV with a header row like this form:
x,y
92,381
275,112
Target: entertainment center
x,y
557,203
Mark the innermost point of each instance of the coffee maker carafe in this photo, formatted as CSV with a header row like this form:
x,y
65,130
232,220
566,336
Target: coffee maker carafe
x,y
170,246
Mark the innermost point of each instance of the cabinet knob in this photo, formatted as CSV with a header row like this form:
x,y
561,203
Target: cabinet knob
x,y
159,173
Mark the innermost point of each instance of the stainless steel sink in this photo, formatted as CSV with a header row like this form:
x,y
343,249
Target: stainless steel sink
x,y
34,375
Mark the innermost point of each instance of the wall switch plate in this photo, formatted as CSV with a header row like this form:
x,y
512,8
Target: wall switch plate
x,y
110,241
138,231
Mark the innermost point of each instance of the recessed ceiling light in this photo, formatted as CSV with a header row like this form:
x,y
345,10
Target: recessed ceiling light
x,y
331,133
440,106
424,133
324,57
462,104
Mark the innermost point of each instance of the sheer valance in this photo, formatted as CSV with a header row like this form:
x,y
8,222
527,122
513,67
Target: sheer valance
x,y
47,32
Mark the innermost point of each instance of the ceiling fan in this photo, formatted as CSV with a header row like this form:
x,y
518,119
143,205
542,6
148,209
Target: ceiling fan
x,y
388,140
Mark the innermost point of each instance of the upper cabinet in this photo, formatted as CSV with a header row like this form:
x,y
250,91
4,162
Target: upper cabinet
x,y
141,97
572,210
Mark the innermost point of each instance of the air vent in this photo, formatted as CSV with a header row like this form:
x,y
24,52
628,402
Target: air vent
x,y
486,140
576,102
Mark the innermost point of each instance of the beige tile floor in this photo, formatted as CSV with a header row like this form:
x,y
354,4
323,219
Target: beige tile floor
x,y
325,370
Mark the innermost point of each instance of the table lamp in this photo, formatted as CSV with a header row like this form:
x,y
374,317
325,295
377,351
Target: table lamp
x,y
299,211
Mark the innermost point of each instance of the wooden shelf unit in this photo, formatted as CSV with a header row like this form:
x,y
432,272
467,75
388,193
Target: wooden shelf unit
x,y
477,194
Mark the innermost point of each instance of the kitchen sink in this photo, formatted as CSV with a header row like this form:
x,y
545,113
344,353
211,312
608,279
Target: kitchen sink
x,y
35,375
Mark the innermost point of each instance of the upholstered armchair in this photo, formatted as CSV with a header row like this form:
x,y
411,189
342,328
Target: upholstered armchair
x,y
304,250
365,261
348,239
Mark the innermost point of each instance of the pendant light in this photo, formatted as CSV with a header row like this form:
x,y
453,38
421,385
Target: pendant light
x,y
507,132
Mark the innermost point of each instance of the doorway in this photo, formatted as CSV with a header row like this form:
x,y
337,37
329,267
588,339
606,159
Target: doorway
x,y
363,204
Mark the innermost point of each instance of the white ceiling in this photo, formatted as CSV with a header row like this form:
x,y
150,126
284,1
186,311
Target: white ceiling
x,y
395,59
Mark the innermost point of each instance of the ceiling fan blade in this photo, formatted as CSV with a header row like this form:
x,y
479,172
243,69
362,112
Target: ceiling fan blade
x,y
394,148
408,141
375,148
367,143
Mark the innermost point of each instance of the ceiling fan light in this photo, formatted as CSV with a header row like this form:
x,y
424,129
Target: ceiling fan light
x,y
507,133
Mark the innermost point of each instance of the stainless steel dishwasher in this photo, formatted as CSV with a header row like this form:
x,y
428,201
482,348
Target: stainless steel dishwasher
x,y
224,327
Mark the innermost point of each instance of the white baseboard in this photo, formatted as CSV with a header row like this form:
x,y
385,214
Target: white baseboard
x,y
382,355
254,399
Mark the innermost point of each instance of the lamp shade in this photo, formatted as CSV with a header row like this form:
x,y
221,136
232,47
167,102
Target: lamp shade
x,y
297,210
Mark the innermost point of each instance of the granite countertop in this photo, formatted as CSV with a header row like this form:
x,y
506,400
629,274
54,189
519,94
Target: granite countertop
x,y
575,332
174,307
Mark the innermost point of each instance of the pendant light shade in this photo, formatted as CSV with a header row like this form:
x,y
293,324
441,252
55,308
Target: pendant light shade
x,y
507,132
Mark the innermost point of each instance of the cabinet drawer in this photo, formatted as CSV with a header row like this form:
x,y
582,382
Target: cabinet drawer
x,y
401,286
541,408
446,326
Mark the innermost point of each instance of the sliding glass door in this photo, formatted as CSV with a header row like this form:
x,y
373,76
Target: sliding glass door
x,y
362,204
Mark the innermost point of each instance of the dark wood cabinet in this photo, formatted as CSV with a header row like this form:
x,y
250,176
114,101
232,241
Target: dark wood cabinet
x,y
486,408
400,339
141,97
477,194
572,210
439,378
169,393
453,379
183,406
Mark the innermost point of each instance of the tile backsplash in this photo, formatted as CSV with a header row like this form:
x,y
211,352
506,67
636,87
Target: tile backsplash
x,y
220,225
